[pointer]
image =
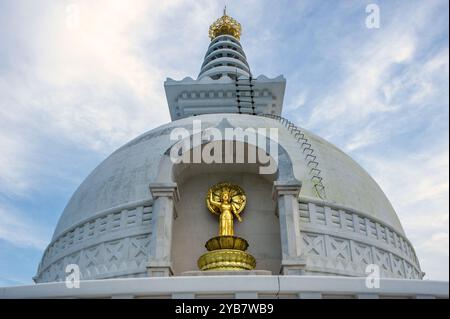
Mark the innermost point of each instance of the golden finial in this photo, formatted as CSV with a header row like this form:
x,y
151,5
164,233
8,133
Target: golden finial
x,y
225,25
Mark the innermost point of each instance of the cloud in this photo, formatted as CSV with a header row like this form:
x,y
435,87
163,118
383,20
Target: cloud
x,y
89,74
21,231
12,166
418,186
357,97
384,82
366,136
87,81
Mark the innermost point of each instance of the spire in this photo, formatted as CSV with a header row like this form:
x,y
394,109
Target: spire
x,y
225,25
225,56
225,83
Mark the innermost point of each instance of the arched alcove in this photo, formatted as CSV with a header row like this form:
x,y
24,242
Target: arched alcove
x,y
194,224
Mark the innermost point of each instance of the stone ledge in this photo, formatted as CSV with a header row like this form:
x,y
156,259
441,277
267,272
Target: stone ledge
x,y
167,287
227,273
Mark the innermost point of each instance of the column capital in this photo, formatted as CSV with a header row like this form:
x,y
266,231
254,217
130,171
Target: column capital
x,y
164,190
286,188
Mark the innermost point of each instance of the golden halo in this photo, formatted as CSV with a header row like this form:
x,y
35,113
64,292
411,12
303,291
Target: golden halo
x,y
236,194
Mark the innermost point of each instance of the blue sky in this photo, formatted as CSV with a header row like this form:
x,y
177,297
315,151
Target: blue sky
x,y
80,78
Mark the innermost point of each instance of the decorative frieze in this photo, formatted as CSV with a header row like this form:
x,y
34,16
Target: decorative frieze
x,y
117,241
336,241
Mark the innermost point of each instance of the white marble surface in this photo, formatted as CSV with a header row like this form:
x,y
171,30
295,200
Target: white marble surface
x,y
231,286
125,175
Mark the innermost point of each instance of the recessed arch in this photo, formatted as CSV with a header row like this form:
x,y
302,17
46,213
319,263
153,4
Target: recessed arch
x,y
194,225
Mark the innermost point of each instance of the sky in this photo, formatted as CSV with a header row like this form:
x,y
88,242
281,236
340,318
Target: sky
x,y
80,78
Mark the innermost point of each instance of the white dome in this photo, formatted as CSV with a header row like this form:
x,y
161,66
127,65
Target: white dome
x,y
120,185
125,175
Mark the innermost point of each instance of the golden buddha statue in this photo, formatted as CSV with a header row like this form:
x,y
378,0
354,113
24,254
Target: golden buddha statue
x,y
226,251
227,201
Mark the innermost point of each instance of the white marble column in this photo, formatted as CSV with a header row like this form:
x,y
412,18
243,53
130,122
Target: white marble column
x,y
164,197
285,194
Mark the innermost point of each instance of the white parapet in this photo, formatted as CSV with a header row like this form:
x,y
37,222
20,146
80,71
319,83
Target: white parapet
x,y
317,287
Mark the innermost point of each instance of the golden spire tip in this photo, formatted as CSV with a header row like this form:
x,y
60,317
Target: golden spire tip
x,y
225,25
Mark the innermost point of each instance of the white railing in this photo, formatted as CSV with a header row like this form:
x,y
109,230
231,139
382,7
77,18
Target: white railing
x,y
318,287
